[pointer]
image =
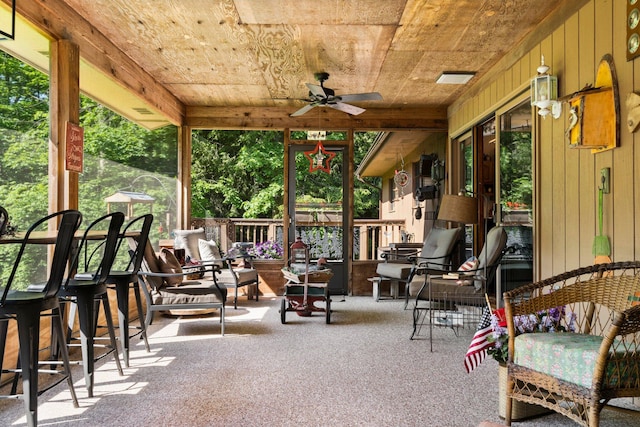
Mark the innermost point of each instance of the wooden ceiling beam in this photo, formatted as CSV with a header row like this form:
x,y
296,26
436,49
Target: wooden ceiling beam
x,y
63,23
428,118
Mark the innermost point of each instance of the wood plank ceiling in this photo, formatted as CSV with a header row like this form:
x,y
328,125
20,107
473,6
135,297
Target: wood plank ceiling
x,y
245,62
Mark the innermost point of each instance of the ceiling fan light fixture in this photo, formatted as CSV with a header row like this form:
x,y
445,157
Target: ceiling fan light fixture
x,y
455,77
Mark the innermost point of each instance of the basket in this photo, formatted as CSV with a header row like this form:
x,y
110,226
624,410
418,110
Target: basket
x,y
317,276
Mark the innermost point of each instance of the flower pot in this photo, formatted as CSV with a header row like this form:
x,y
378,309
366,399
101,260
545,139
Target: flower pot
x,y
271,279
519,410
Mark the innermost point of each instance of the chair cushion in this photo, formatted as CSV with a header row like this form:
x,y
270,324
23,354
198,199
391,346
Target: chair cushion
x,y
439,243
244,276
495,243
569,357
453,291
168,264
394,270
209,251
188,240
192,292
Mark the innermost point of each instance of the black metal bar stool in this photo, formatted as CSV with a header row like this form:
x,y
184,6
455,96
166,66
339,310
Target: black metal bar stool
x,y
28,306
87,289
133,239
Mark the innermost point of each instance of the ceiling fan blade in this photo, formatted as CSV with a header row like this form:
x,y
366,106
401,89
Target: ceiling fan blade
x,y
347,108
317,90
303,110
370,96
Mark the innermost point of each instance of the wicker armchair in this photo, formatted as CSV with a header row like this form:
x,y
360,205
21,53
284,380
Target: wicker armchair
x,y
591,353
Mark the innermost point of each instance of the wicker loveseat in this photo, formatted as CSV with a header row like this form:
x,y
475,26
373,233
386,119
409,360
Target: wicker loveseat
x,y
574,340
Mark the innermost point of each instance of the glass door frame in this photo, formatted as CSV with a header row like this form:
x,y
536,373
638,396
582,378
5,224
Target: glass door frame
x,y
509,106
293,146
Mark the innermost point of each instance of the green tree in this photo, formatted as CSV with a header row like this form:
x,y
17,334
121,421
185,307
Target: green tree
x,y
24,128
120,155
237,174
516,181
240,174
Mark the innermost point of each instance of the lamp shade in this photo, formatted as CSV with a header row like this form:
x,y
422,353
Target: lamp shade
x,y
460,209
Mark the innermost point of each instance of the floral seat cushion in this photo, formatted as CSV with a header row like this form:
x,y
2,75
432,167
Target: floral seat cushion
x,y
569,357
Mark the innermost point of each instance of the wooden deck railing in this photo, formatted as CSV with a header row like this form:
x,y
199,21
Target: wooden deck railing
x,y
369,234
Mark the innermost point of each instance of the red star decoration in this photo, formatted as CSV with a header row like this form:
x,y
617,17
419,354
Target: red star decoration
x,y
319,158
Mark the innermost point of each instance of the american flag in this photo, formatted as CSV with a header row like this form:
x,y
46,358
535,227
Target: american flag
x,y
478,348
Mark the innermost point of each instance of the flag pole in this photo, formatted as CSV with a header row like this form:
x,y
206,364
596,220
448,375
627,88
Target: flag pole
x,y
486,297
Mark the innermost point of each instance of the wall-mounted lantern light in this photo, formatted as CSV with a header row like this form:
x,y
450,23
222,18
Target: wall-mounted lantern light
x,y
544,92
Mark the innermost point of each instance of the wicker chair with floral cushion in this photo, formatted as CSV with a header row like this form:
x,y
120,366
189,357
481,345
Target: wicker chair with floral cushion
x,y
574,340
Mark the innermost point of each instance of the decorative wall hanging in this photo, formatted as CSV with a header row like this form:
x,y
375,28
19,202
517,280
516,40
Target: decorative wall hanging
x,y
594,115
401,177
10,34
633,108
74,150
319,158
633,29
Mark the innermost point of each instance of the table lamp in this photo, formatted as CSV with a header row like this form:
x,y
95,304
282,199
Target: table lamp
x,y
460,209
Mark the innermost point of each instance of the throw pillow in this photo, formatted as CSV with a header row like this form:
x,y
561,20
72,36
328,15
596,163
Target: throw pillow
x,y
188,240
169,264
468,265
209,251
150,263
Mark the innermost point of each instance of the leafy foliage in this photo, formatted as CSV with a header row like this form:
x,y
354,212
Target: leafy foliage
x,y
240,174
516,183
234,173
117,153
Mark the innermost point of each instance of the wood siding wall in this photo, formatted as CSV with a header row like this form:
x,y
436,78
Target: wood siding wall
x,y
566,180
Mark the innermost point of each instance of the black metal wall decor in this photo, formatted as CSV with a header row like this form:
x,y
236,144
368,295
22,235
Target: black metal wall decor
x,y
427,192
11,35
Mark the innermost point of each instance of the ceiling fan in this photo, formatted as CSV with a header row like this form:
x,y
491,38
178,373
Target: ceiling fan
x,y
320,96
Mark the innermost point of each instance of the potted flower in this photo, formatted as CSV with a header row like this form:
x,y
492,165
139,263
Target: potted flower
x,y
545,321
268,262
269,249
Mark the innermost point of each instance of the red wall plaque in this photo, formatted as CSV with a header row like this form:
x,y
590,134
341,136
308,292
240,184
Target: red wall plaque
x,y
74,148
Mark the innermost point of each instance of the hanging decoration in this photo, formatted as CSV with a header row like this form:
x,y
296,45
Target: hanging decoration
x,y
418,208
319,158
401,178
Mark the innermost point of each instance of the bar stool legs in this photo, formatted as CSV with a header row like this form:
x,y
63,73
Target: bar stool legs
x,y
122,292
29,341
85,299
